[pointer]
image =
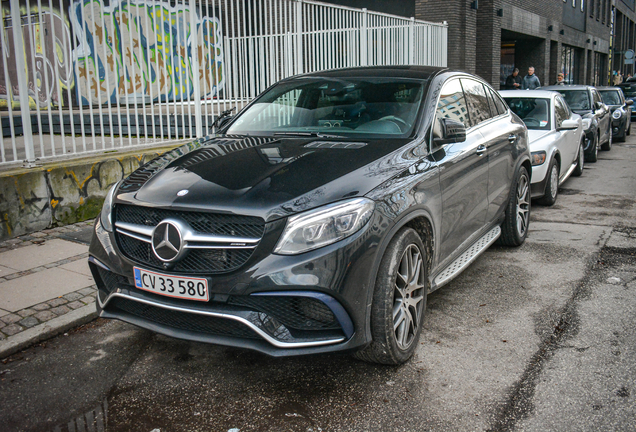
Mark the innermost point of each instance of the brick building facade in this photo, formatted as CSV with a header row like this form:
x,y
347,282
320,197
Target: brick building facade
x,y
570,36
491,37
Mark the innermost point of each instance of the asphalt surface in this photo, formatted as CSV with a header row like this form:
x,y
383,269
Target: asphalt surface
x,y
536,338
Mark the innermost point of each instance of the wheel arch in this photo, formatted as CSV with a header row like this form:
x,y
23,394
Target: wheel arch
x,y
419,220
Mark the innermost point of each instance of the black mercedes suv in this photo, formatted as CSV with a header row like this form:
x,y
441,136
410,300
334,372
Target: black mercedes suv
x,y
320,216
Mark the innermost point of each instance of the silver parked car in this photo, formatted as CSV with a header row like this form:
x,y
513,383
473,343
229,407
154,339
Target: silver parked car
x,y
557,143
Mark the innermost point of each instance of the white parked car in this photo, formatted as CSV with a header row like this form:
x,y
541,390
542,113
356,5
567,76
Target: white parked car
x,y
556,139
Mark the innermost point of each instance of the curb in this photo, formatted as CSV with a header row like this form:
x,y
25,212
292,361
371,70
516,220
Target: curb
x,y
47,330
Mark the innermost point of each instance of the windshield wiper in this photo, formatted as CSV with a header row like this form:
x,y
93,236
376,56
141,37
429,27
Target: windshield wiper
x,y
309,134
222,116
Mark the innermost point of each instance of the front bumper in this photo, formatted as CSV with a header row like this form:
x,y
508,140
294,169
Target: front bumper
x,y
619,126
539,179
279,305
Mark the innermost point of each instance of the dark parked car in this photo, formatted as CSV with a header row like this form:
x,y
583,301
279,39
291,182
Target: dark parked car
x,y
597,118
629,92
322,216
621,111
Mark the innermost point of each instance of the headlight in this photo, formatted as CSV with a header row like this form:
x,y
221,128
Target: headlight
x,y
538,158
617,114
105,216
323,226
587,122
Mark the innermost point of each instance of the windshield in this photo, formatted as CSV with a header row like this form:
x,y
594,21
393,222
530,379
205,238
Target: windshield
x,y
535,112
337,107
577,99
611,97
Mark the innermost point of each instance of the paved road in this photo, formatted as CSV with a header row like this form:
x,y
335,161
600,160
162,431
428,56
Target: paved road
x,y
535,338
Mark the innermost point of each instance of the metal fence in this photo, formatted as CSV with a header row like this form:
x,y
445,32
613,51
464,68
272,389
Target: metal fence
x,y
97,75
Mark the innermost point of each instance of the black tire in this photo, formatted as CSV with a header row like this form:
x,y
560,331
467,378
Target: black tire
x,y
593,157
514,228
580,163
394,344
551,186
608,145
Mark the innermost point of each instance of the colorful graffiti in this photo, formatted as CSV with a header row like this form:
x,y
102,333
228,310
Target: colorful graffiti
x,y
47,45
142,50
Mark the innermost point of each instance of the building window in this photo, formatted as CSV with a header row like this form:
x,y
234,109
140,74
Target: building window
x,y
570,64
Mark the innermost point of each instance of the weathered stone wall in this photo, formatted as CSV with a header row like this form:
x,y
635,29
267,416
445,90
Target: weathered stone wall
x,y
61,193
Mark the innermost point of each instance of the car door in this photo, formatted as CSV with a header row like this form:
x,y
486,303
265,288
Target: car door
x,y
500,134
568,143
463,175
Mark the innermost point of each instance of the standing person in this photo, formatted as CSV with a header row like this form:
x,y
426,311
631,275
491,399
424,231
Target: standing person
x,y
530,81
560,79
513,82
618,78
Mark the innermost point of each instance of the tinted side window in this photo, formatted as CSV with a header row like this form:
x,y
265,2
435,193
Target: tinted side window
x,y
597,97
560,111
491,103
452,103
502,108
476,100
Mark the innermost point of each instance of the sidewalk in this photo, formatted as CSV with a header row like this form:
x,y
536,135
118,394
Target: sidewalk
x,y
46,287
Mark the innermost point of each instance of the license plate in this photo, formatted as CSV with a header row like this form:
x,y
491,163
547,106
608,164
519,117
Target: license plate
x,y
172,286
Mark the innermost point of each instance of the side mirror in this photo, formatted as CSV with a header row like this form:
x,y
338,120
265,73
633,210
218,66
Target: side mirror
x,y
629,102
449,131
598,105
568,125
224,122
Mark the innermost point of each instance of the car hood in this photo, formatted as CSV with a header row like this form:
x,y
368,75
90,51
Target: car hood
x,y
584,113
535,135
266,177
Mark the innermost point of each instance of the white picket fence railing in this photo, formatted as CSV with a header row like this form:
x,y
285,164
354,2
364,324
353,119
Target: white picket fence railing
x,y
91,76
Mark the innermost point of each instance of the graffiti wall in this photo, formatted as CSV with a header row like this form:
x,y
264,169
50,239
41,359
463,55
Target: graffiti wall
x,y
47,46
118,51
142,50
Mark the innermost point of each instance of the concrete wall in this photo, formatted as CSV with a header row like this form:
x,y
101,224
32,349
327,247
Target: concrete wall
x,y
61,193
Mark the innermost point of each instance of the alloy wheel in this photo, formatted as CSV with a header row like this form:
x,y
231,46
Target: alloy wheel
x,y
554,181
409,294
523,205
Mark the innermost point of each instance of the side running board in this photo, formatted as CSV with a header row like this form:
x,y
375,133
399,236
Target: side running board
x,y
465,259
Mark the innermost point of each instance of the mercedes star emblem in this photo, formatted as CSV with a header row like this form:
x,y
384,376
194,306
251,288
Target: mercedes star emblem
x,y
167,243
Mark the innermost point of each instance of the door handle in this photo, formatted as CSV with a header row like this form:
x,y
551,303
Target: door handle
x,y
512,138
481,149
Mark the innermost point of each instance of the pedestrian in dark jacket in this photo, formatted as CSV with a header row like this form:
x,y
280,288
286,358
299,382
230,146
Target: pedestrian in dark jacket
x,y
513,82
530,81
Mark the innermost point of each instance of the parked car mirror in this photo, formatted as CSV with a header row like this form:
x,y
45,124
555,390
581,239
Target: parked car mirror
x,y
224,122
449,131
568,125
598,105
629,102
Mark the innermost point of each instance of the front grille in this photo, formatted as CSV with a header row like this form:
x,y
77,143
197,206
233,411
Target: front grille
x,y
205,223
183,320
210,261
301,313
